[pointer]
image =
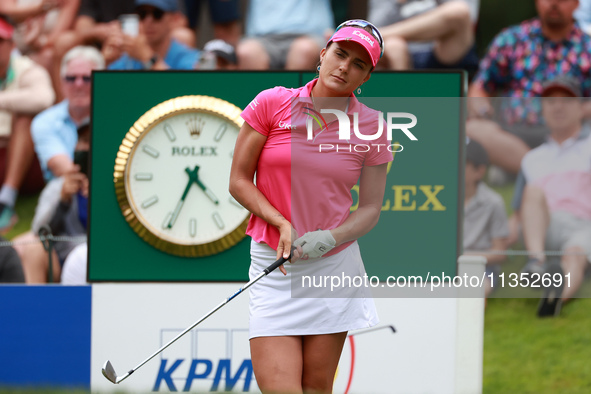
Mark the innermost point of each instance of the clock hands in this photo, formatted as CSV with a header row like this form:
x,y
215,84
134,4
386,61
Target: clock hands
x,y
207,190
179,205
193,177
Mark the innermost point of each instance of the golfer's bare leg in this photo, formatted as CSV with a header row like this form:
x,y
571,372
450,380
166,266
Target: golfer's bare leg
x,y
321,358
277,363
574,265
504,149
535,220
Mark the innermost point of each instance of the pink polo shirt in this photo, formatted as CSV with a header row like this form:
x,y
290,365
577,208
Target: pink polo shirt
x,y
309,187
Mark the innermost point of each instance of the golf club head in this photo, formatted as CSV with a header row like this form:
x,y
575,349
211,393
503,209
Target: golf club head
x,y
109,372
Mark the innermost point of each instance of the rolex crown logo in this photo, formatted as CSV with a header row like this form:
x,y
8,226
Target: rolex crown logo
x,y
195,126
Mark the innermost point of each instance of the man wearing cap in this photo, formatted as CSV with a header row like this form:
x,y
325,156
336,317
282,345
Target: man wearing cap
x,y
517,62
25,89
153,48
552,192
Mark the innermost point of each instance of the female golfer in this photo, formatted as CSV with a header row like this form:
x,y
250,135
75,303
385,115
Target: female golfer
x,y
302,196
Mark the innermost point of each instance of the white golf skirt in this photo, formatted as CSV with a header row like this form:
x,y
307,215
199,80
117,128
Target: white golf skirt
x,y
274,312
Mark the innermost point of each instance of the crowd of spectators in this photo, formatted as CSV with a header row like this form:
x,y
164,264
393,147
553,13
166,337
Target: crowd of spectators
x,y
48,49
541,69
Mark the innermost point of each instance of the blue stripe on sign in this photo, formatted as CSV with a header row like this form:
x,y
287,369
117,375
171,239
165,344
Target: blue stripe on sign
x,y
45,335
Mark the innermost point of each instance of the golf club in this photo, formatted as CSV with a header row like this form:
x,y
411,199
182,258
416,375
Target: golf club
x,y
391,327
109,371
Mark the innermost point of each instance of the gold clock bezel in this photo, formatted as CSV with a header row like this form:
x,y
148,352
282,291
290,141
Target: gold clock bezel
x,y
153,117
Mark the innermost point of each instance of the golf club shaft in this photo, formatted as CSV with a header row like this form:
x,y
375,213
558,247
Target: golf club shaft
x,y
265,272
361,332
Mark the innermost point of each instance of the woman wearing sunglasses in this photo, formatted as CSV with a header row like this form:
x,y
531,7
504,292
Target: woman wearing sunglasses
x,y
302,198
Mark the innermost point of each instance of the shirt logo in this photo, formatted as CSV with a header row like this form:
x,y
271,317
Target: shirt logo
x,y
253,104
285,125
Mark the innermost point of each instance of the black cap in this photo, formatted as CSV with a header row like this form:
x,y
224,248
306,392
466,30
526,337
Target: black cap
x,y
476,154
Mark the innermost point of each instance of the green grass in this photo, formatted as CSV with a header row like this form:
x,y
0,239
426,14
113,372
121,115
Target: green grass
x,y
526,354
25,209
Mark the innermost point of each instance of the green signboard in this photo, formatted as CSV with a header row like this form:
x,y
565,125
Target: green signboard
x,y
418,230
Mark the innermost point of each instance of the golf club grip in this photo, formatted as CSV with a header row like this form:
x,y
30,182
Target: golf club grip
x,y
276,264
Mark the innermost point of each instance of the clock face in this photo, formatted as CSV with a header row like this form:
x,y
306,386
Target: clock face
x,y
176,180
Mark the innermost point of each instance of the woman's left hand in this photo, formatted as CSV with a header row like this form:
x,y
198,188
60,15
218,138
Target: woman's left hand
x,y
315,244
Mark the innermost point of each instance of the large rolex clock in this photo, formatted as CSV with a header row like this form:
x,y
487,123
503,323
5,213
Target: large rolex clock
x,y
171,176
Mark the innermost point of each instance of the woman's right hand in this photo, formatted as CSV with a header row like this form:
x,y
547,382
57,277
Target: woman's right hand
x,y
287,234
249,146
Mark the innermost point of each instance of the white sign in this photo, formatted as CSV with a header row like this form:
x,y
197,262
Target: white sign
x,y
131,321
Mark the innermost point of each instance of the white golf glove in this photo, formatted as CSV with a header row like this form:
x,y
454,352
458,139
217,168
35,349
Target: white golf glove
x,y
316,243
